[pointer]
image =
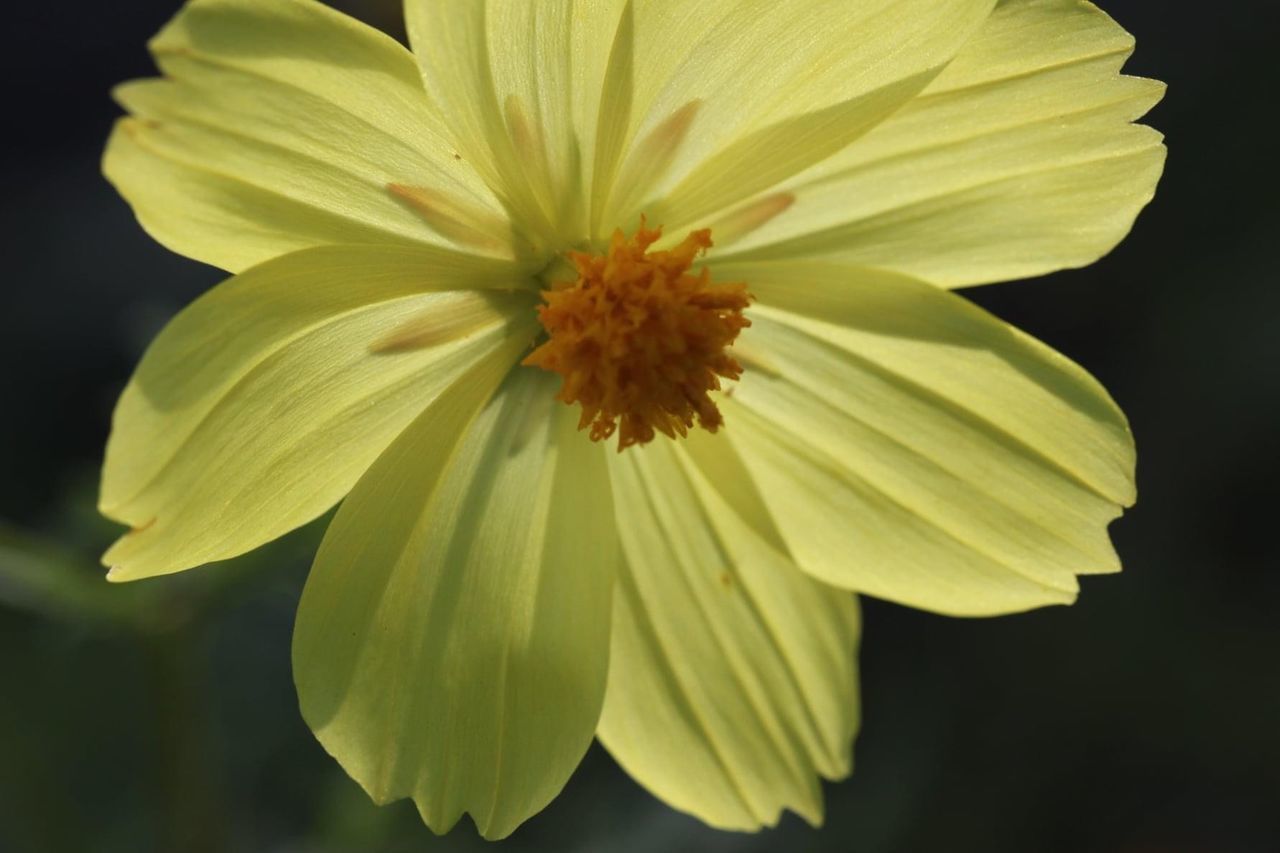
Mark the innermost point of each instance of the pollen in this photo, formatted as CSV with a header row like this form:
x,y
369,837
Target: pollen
x,y
640,340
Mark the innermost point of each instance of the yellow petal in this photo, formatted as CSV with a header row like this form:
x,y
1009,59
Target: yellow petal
x,y
782,84
260,405
732,682
280,124
1018,160
913,447
521,84
452,640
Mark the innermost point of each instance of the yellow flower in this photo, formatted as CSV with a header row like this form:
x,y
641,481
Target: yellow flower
x,y
432,247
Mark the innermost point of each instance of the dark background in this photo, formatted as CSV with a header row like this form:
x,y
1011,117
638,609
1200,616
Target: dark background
x,y
161,716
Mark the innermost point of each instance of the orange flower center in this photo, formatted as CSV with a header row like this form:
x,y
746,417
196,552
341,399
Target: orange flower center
x,y
640,340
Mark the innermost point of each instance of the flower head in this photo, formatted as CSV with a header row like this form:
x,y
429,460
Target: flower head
x,y
722,235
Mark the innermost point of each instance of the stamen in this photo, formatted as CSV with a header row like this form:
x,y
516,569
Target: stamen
x,y
653,156
641,341
454,219
526,136
661,145
433,326
749,217
550,167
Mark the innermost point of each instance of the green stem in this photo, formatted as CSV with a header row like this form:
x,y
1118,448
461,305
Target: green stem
x,y
187,763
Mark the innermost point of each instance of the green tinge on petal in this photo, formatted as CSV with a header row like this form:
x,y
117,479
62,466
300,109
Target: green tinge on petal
x,y
452,640
279,125
1019,159
521,84
912,447
781,84
259,406
732,682
570,49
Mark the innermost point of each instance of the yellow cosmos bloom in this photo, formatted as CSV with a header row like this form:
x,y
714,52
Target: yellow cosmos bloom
x,y
454,304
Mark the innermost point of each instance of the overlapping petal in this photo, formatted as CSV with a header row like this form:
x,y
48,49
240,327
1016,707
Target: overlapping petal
x,y
732,684
278,125
913,447
521,84
452,640
779,86
677,108
1019,159
261,404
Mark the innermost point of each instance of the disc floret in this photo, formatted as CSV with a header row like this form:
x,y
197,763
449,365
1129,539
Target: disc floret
x,y
641,340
